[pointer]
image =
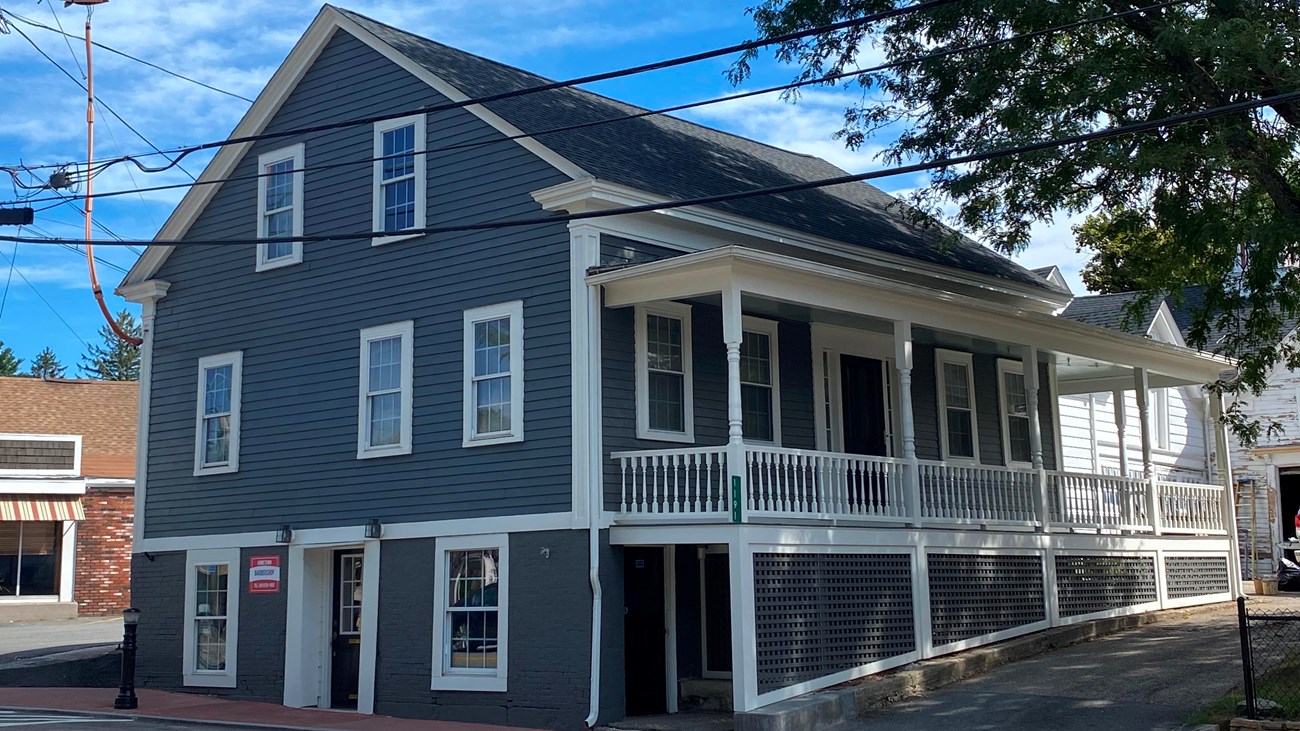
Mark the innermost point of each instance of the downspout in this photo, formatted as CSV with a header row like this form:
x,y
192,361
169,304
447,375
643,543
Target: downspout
x,y
596,503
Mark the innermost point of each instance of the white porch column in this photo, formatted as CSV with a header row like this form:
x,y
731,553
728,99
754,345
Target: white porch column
x,y
1224,464
903,362
1141,386
1121,429
732,334
1029,363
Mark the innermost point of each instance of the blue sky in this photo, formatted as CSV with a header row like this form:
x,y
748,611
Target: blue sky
x,y
237,44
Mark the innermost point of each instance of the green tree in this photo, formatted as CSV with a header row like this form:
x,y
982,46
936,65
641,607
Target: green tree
x,y
1130,254
9,363
1207,186
46,365
116,359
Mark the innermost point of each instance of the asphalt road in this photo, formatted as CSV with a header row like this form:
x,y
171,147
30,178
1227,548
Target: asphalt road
x,y
75,722
29,637
1147,679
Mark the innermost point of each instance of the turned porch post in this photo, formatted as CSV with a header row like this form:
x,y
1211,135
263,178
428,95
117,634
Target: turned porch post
x,y
903,362
1042,503
1141,386
1121,429
737,471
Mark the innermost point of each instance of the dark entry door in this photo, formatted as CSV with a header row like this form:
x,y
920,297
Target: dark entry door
x,y
717,613
862,390
345,665
643,630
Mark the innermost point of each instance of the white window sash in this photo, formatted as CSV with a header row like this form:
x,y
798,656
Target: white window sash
x,y
236,362
405,332
470,679
1004,401
514,312
379,183
768,328
676,311
966,360
294,153
192,676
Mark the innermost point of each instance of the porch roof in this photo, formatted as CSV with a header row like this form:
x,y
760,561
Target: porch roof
x,y
818,285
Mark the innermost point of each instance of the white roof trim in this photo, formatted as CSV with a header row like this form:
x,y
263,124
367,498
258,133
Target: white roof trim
x,y
268,103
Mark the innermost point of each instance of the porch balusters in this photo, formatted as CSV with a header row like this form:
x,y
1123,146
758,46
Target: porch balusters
x,y
912,473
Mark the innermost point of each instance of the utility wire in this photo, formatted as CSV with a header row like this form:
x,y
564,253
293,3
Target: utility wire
x,y
66,38
945,162
23,277
12,263
548,86
676,108
124,54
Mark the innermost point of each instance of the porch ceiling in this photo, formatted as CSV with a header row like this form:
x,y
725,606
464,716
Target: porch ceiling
x,y
1098,359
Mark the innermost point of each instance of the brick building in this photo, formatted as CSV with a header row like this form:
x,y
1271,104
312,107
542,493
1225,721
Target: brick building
x,y
67,493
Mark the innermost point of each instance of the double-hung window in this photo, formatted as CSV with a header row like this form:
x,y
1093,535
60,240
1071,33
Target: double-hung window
x,y
494,369
211,617
1015,413
399,177
471,597
216,442
384,407
665,405
957,427
279,206
760,393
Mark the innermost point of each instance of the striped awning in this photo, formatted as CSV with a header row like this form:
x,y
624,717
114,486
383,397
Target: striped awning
x,y
41,508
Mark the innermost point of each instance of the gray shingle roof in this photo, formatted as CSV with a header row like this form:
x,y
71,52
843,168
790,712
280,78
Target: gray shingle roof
x,y
677,159
1111,311
1043,271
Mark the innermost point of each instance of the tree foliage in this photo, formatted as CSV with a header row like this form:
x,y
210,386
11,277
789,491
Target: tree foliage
x,y
1129,254
1223,192
46,365
116,359
9,363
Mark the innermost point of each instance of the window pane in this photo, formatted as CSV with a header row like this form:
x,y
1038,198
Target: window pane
x,y
471,613
960,438
492,347
279,185
396,142
492,398
1013,389
385,364
956,389
277,225
1018,434
385,419
666,401
399,205
756,407
664,343
211,583
216,440
9,558
756,358
210,644
216,390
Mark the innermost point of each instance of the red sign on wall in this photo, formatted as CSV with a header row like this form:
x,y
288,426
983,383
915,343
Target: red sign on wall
x,y
263,574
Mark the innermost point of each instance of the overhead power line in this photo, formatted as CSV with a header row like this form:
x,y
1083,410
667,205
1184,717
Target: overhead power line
x,y
126,55
945,53
1097,135
37,292
549,86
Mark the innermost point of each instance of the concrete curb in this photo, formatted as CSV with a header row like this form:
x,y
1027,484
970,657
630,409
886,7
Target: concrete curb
x,y
827,708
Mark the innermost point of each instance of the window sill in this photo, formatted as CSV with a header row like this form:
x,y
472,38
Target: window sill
x,y
381,240
263,266
481,683
665,436
385,452
200,680
222,470
490,439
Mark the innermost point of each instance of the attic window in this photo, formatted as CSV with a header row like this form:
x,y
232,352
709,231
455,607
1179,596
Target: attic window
x,y
40,455
399,178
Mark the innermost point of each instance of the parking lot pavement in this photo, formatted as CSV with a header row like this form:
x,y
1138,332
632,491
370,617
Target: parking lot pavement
x,y
78,722
29,637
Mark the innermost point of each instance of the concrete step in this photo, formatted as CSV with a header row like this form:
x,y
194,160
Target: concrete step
x,y
709,694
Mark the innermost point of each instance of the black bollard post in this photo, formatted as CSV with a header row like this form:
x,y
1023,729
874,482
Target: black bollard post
x,y
126,691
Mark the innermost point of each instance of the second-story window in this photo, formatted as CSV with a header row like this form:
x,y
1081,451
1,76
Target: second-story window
x,y
216,447
494,367
385,397
399,177
665,405
279,206
958,433
759,392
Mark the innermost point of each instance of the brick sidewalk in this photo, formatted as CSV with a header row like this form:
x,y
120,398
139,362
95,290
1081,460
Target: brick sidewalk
x,y
194,707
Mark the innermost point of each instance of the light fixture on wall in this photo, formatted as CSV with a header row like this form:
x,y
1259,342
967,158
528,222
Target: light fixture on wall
x,y
374,529
283,534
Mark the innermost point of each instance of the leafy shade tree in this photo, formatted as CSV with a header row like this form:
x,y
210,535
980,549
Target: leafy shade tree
x,y
9,363
46,365
1129,254
1207,185
116,359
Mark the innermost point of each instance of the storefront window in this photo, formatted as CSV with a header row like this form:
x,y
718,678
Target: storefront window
x,y
29,558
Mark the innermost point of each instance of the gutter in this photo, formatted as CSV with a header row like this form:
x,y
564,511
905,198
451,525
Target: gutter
x,y
595,505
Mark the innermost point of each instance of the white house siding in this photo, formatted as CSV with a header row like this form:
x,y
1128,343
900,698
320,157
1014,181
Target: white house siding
x,y
1277,404
1090,441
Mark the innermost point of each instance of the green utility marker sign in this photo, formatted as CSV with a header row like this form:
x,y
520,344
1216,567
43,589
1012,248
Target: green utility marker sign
x,y
735,498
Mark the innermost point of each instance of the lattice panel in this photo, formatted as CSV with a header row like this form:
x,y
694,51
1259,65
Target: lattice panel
x,y
973,595
1196,575
1088,584
818,614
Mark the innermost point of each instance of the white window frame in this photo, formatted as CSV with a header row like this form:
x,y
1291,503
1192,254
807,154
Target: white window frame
x,y
377,192
294,153
515,312
76,455
491,680
1004,367
678,311
1158,408
405,330
236,362
967,360
769,328
235,584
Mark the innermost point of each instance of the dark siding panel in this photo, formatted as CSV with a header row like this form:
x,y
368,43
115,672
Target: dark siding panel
x,y
988,411
1047,415
798,429
925,402
616,250
298,328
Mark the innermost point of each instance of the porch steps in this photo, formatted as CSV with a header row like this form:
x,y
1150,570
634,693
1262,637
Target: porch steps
x,y
706,694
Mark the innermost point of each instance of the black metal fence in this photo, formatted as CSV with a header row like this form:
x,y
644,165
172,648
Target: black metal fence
x,y
1270,658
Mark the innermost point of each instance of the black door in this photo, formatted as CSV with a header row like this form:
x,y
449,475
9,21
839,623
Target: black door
x,y
862,389
717,612
643,630
345,661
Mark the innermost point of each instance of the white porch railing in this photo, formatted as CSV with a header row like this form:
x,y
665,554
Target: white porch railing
x,y
776,483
